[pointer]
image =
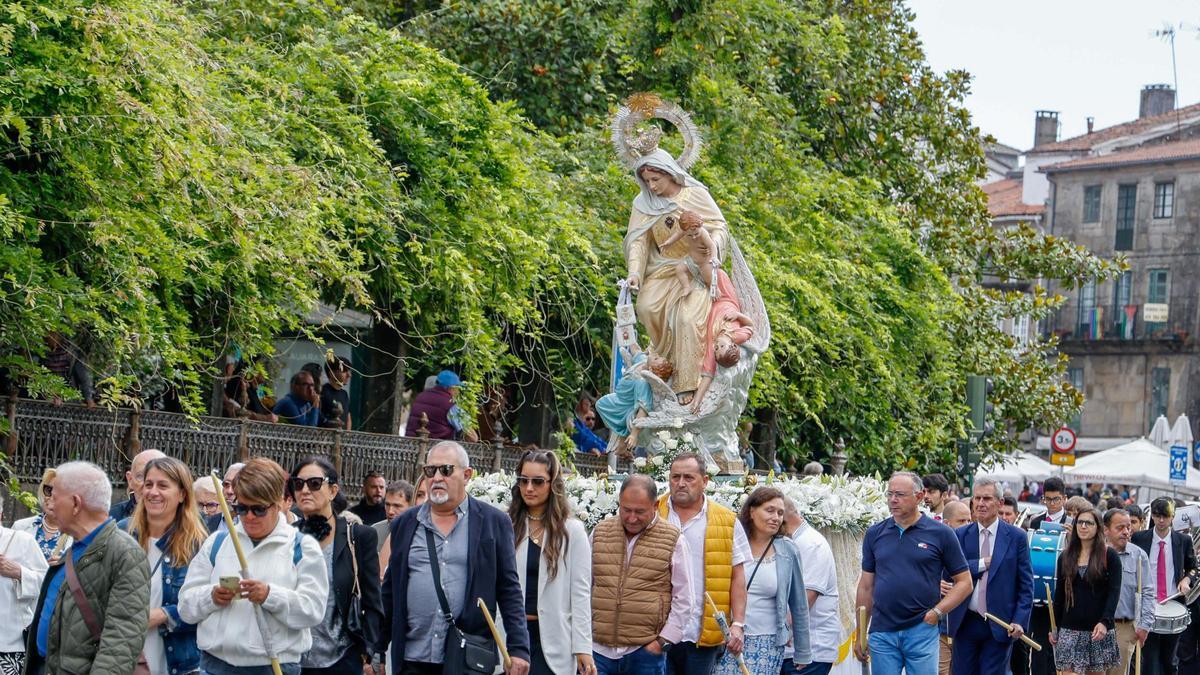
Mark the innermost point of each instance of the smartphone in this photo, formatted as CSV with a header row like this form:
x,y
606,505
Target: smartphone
x,y
230,583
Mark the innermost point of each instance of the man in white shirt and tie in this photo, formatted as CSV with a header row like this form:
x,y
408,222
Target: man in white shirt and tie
x,y
1172,564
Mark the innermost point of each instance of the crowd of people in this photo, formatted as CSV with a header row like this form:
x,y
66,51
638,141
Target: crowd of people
x,y
953,588
408,580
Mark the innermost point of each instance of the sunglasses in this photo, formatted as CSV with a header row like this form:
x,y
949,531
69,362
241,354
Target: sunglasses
x,y
535,481
47,490
430,470
314,484
258,510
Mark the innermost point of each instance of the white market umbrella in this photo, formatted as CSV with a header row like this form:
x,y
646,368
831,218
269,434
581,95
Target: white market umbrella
x,y
1020,468
1181,433
1160,433
1139,462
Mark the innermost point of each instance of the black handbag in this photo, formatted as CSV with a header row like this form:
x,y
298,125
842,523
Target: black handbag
x,y
465,654
354,620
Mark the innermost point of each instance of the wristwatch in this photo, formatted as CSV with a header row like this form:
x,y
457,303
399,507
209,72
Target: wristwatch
x,y
664,644
940,613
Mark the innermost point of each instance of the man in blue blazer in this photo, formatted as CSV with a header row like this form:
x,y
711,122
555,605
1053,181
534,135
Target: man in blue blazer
x,y
998,555
473,544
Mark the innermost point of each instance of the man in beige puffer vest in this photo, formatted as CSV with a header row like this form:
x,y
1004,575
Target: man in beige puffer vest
x,y
641,591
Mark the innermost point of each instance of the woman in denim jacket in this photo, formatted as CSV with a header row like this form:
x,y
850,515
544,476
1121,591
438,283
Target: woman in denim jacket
x,y
776,604
167,524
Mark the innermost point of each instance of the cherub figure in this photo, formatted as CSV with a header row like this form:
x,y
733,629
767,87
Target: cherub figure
x,y
700,250
728,328
632,399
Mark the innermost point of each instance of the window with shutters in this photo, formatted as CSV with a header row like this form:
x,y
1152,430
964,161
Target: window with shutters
x,y
1126,201
1091,204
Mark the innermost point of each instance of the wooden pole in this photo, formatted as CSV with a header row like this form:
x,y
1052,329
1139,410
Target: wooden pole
x,y
1008,627
487,615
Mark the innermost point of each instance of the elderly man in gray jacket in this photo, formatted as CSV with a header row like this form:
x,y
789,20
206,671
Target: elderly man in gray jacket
x,y
92,611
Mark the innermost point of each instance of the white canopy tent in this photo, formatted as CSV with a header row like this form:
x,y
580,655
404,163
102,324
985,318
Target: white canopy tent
x,y
1140,463
1016,469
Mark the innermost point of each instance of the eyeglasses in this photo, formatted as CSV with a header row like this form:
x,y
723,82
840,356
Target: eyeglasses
x,y
47,490
258,509
430,470
314,484
1081,523
1052,500
896,493
209,506
535,481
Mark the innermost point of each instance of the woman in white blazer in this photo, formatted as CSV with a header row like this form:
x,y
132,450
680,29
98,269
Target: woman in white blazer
x,y
554,562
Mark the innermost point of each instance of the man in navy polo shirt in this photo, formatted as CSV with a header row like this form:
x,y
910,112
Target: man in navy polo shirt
x,y
903,560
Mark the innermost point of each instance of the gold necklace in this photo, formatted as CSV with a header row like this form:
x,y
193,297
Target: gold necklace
x,y
536,538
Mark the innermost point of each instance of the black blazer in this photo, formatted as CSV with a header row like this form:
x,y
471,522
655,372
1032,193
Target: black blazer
x,y
1038,520
368,581
1183,556
491,575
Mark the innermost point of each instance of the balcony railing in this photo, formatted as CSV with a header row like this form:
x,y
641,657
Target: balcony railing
x,y
44,435
1117,326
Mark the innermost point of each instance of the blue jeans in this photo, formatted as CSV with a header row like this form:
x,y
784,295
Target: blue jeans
x,y
913,650
789,668
685,658
211,665
640,662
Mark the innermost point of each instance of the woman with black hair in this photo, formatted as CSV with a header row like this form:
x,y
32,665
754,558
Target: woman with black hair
x,y
1085,600
354,612
554,564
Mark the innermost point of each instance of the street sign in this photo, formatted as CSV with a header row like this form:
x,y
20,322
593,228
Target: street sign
x,y
1196,453
1063,440
1179,464
1062,459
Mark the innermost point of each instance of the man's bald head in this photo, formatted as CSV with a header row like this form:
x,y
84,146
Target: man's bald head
x,y
956,514
137,470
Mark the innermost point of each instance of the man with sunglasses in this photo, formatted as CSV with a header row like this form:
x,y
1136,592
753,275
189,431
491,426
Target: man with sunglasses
x,y
475,557
302,405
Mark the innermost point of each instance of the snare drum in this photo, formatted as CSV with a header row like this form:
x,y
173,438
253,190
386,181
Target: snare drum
x,y
1044,549
1170,618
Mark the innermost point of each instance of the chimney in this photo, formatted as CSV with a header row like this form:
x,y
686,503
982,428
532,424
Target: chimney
x,y
1045,127
1157,99
1091,124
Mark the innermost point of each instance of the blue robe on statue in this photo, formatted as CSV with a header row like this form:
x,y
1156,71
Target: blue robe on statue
x,y
631,393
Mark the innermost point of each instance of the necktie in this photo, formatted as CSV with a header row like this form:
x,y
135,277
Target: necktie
x,y
981,599
1162,571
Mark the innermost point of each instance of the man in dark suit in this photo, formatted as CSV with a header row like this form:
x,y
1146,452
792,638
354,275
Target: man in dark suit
x,y
1172,564
476,556
998,556
1042,663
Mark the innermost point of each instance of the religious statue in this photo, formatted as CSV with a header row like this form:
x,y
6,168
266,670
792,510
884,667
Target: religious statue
x,y
677,243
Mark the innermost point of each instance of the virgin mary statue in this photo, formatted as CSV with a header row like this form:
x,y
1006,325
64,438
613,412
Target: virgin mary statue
x,y
674,319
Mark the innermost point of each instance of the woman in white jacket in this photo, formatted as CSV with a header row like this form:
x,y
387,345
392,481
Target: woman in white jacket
x,y
288,583
22,568
554,563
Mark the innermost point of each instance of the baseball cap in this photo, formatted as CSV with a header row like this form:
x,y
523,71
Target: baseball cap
x,y
447,378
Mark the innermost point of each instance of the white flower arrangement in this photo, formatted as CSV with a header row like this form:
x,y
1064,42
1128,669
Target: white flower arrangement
x,y
826,502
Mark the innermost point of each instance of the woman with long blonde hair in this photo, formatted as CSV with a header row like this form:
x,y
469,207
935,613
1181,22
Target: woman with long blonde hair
x,y
167,525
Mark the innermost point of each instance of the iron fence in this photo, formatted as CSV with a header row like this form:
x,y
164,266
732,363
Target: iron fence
x,y
42,434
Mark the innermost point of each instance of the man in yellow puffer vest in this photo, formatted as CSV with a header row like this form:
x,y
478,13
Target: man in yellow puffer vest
x,y
719,552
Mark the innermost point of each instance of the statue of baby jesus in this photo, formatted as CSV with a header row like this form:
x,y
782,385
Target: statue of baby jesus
x,y
699,260
728,327
632,398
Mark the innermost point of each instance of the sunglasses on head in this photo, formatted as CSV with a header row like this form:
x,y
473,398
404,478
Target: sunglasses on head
x,y
536,481
430,470
258,510
313,483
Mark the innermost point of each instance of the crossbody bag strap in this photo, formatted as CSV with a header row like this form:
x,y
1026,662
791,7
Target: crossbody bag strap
x,y
760,559
353,558
437,575
85,607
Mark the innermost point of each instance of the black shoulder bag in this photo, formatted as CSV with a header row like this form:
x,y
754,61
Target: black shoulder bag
x,y
465,654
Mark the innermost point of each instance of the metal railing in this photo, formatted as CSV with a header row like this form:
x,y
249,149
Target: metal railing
x,y
42,434
1068,324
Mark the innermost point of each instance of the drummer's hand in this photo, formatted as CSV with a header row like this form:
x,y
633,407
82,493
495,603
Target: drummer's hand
x,y
1053,638
1099,632
1015,631
1141,634
1185,585
946,586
